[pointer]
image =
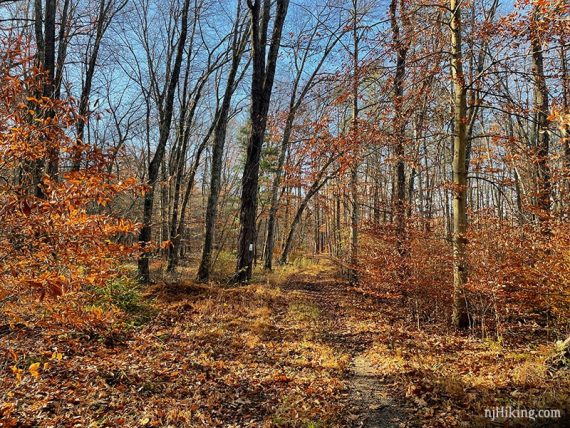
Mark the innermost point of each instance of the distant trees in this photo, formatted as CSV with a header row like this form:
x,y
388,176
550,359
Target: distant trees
x,y
359,130
329,151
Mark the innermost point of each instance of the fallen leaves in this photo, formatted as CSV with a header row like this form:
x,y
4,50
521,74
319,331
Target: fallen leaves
x,y
35,370
218,358
254,356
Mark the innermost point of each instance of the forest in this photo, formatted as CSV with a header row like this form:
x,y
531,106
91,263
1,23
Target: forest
x,y
284,213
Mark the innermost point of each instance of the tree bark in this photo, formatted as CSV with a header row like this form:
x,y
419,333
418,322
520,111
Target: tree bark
x,y
566,105
145,235
399,125
274,203
205,268
261,88
459,314
542,139
353,271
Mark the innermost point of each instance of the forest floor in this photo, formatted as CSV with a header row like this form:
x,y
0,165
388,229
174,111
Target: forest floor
x,y
299,347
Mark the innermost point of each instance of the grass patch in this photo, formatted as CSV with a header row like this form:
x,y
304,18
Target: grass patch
x,y
304,312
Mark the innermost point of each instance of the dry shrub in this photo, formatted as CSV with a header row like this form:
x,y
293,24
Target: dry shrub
x,y
421,278
519,278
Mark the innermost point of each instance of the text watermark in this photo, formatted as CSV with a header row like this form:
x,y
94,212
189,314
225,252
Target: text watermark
x,y
509,412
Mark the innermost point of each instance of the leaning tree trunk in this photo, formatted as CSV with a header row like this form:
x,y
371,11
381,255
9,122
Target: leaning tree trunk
x,y
205,267
315,187
294,104
177,217
274,205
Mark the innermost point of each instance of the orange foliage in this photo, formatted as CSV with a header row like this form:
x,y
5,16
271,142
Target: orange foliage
x,y
56,233
518,279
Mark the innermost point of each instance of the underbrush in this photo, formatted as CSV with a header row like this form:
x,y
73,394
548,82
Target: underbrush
x,y
517,298
519,280
126,294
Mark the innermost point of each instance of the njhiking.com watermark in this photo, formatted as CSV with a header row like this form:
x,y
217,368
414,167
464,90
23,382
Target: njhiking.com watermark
x,y
509,412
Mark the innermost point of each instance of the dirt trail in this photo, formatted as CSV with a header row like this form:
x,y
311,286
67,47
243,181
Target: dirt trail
x,y
340,310
377,408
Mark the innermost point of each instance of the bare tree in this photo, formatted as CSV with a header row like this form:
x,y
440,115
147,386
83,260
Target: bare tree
x,y
238,45
263,74
165,113
303,55
108,9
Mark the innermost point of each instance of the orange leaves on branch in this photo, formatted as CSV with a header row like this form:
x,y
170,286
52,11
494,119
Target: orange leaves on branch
x,y
56,233
165,244
560,117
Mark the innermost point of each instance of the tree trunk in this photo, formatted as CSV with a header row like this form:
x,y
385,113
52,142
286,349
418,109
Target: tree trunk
x,y
45,40
353,271
49,68
294,103
261,88
270,243
186,119
399,131
459,315
205,267
145,235
542,140
566,129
